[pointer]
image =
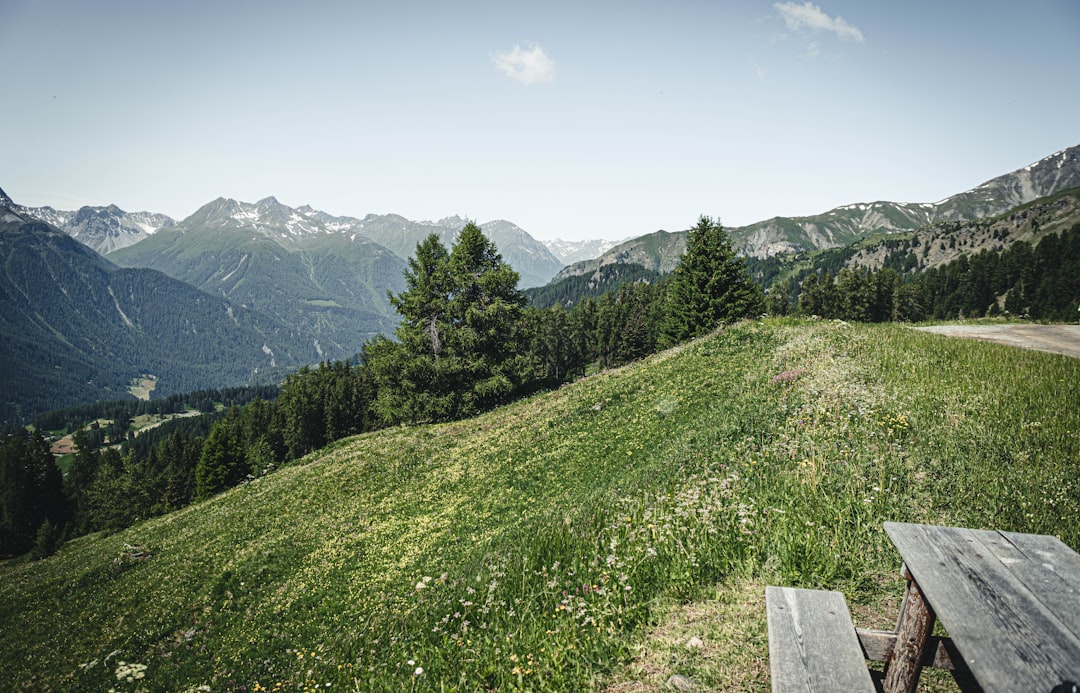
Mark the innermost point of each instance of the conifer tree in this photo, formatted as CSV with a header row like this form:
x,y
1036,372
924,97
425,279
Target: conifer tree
x,y
30,491
222,463
456,352
710,286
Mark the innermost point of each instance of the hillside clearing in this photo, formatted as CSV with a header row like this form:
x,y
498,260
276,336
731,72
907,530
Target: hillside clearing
x,y
558,543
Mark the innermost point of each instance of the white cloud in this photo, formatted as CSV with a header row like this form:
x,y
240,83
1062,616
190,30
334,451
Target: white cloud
x,y
526,65
810,16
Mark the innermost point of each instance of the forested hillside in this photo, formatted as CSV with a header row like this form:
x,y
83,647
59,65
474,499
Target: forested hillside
x,y
1023,264
329,287
76,328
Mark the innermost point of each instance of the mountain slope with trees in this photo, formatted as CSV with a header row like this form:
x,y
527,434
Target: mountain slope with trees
x,y
1020,263
330,286
76,328
848,224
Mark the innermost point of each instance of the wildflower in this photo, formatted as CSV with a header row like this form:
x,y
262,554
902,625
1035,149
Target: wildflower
x,y
419,671
130,672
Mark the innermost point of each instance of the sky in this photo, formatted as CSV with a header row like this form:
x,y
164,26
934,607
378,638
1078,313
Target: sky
x,y
574,120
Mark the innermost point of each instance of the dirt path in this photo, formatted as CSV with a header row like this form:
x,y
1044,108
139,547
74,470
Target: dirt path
x,y
1057,339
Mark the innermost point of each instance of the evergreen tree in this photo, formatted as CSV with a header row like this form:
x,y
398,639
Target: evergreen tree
x,y
424,304
178,457
222,463
303,421
120,494
31,492
710,286
457,350
782,297
582,328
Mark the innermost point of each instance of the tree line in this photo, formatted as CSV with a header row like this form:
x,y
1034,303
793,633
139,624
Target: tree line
x,y
466,342
1040,282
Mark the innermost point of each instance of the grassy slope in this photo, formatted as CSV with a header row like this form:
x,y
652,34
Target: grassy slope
x,y
538,544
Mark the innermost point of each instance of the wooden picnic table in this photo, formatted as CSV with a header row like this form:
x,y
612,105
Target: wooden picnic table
x,y
1010,603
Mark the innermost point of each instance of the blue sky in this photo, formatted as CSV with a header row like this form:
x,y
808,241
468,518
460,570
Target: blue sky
x,y
571,119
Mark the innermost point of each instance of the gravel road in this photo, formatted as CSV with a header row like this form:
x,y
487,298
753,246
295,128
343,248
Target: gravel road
x,y
1057,339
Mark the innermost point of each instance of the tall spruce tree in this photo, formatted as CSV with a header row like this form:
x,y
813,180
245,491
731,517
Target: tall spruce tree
x,y
456,350
710,286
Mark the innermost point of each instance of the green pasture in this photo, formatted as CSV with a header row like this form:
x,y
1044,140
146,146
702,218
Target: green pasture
x,y
551,544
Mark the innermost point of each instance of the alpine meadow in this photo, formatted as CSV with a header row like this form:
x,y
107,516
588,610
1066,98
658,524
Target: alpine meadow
x,y
539,545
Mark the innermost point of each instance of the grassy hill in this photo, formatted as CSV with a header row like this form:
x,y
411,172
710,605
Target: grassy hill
x,y
551,543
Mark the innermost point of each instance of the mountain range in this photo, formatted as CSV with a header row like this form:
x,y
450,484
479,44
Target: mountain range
x,y
109,229
237,290
847,224
326,280
75,327
103,229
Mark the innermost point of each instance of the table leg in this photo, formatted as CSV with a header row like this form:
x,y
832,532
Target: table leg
x,y
912,633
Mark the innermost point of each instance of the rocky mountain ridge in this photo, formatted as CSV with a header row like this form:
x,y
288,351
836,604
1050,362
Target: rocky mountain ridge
x,y
75,327
847,224
102,229
942,243
108,229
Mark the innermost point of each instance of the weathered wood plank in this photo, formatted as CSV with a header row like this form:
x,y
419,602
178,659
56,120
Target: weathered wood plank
x,y
877,645
989,593
812,642
1046,567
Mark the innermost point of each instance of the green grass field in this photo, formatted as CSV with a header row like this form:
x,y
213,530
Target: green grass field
x,y
575,540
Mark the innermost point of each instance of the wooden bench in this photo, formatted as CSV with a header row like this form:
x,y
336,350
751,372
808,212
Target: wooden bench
x,y
812,642
1010,603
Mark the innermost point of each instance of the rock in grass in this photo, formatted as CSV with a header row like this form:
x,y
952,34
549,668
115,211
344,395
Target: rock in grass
x,y
678,682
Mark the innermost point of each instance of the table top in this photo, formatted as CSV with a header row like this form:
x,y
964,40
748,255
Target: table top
x,y
1010,602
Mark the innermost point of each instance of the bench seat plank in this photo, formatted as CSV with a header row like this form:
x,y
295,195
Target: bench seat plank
x,y
1009,602
812,642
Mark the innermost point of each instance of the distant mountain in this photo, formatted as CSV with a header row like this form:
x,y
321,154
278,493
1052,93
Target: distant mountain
x,y
569,252
103,229
657,252
847,224
942,243
528,256
531,258
74,327
318,273
108,229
